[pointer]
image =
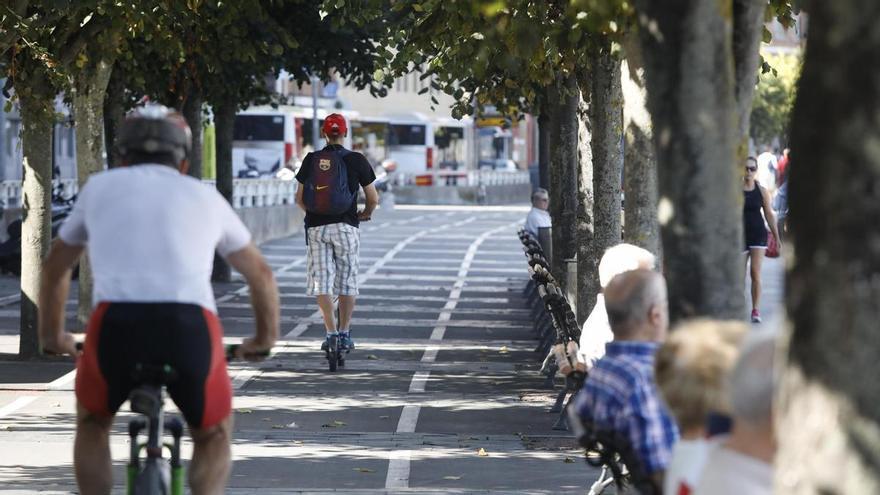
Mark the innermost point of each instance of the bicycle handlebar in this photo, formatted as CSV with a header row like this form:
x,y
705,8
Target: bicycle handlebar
x,y
231,350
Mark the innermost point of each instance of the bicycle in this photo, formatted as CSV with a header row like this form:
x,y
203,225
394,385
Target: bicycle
x,y
155,475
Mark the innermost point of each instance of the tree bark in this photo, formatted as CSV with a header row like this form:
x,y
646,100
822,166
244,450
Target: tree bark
x,y
224,120
829,408
88,105
192,112
640,163
544,148
748,25
588,282
114,114
36,233
689,72
563,130
606,123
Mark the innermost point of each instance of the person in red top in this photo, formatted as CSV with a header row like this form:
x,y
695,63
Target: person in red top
x,y
780,167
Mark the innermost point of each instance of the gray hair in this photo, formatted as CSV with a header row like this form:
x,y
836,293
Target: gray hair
x,y
752,381
630,296
623,258
540,193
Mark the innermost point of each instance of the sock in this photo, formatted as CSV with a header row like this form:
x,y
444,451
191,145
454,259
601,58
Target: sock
x,y
343,332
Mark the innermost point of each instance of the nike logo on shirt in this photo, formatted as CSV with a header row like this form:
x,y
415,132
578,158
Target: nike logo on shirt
x,y
318,188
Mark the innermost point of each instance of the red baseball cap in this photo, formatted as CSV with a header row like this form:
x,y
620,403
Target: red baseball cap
x,y
334,125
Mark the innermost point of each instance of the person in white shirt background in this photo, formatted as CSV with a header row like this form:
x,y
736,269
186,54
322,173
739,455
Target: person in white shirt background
x,y
538,216
767,169
741,464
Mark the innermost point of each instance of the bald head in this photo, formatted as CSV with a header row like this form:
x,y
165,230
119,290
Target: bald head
x,y
636,306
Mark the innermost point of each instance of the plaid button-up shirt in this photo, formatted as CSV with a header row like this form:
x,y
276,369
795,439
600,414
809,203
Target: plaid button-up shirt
x,y
620,395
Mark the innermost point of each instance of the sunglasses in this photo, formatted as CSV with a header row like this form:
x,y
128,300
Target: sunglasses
x,y
752,169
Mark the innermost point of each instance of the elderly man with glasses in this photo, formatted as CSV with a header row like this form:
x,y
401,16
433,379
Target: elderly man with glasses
x,y
538,216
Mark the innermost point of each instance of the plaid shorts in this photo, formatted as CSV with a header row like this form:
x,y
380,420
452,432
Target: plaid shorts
x,y
333,253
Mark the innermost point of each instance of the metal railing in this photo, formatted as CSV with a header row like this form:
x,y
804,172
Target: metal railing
x,y
444,178
255,193
246,193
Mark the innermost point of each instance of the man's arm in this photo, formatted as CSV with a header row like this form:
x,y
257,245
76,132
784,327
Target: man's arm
x,y
372,200
299,196
264,299
54,287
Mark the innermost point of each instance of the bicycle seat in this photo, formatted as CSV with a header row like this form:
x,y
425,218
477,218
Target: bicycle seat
x,y
146,398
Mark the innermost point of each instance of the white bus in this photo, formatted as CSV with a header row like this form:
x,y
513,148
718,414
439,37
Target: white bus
x,y
266,138
427,149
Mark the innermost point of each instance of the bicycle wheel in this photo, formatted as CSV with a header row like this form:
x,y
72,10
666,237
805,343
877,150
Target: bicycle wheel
x,y
154,478
333,352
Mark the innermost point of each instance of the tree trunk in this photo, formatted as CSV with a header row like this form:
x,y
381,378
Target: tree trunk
x,y
588,282
748,25
36,231
544,148
563,131
114,114
689,72
192,112
606,124
640,163
224,120
88,105
829,409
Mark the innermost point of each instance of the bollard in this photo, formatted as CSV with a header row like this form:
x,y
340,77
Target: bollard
x,y
545,237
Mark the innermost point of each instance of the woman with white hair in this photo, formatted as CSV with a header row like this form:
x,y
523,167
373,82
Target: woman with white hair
x,y
596,331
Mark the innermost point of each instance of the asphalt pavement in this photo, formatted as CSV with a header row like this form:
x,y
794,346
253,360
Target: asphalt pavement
x,y
442,394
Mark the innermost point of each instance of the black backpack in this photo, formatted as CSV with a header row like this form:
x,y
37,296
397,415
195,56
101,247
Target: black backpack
x,y
326,188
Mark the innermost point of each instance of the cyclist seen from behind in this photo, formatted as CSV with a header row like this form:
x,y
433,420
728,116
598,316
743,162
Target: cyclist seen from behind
x,y
329,181
151,233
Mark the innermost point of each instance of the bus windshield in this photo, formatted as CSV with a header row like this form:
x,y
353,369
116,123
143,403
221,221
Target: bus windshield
x,y
407,135
258,128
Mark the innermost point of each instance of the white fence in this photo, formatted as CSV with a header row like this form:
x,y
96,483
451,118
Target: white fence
x,y
246,193
444,178
251,193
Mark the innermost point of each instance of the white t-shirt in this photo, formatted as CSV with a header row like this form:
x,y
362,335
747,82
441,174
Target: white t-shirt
x,y
595,333
766,175
730,473
684,470
537,218
151,234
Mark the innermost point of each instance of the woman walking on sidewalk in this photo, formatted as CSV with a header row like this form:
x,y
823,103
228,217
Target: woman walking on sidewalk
x,y
756,208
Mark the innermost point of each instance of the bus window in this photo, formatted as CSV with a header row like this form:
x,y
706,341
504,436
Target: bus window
x,y
407,135
258,128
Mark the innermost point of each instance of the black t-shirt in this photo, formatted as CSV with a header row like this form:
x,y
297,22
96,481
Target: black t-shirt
x,y
360,173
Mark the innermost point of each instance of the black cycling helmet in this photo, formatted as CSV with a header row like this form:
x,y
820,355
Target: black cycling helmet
x,y
155,130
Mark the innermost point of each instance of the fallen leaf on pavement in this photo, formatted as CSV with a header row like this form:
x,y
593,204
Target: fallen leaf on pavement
x,y
277,427
244,411
364,470
568,460
372,357
482,453
504,349
293,425
339,423
452,477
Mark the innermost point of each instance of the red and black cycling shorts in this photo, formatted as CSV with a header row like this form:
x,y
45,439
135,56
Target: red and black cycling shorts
x,y
186,337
